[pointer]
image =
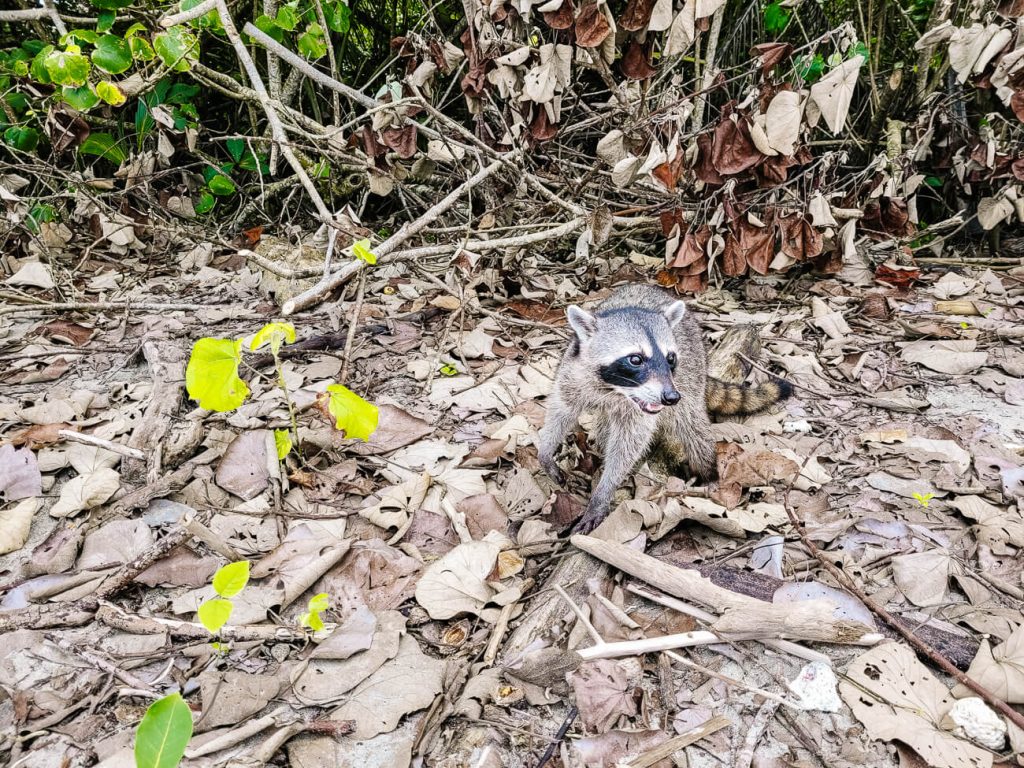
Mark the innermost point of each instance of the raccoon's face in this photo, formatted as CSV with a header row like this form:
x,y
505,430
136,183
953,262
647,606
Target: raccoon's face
x,y
632,351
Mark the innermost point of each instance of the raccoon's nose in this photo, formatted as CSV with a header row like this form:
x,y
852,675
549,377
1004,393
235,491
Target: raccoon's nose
x,y
670,397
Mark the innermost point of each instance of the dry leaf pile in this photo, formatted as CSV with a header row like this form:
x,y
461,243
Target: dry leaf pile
x,y
460,628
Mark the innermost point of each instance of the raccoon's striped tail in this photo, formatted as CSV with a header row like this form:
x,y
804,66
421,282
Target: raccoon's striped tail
x,y
727,399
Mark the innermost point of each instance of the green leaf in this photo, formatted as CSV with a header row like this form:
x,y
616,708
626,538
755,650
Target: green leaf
x,y
105,20
351,413
319,602
38,66
312,43
103,145
273,334
22,138
809,68
933,181
211,377
283,443
221,185
448,370
858,50
205,203
214,614
67,68
164,733
176,48
235,148
287,18
775,18
924,498
312,620
81,98
112,54
141,49
361,249
79,36
268,26
231,579
339,16
111,5
110,93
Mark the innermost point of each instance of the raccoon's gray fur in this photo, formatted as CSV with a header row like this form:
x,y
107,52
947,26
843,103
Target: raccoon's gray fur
x,y
638,361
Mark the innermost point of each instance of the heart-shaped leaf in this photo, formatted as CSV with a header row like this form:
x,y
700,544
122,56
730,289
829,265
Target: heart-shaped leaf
x,y
211,377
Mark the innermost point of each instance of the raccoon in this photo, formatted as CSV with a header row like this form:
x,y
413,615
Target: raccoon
x,y
638,361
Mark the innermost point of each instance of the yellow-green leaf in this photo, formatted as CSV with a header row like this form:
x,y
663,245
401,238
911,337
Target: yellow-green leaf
x,y
110,93
351,413
212,374
318,602
314,622
231,579
214,614
273,334
283,441
448,370
361,249
164,733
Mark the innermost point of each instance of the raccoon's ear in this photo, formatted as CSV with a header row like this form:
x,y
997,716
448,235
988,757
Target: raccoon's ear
x,y
675,312
584,323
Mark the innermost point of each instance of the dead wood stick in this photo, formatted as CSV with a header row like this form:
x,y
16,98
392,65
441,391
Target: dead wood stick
x,y
81,611
192,13
407,230
517,241
567,721
114,617
98,442
98,661
810,620
673,745
166,362
920,645
104,306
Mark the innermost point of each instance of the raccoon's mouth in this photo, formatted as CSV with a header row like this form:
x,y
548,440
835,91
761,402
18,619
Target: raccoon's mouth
x,y
645,406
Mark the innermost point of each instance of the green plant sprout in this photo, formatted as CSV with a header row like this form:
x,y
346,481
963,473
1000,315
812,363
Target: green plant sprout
x,y
924,498
211,379
163,734
228,581
361,250
447,369
311,618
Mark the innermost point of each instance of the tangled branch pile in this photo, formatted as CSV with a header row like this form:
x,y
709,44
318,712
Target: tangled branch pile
x,y
707,138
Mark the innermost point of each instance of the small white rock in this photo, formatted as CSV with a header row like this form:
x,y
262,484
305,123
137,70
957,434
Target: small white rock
x,y
816,687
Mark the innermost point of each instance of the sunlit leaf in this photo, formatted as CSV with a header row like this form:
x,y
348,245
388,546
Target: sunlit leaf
x,y
221,185
231,579
357,417
214,614
274,334
319,602
312,43
81,98
211,377
283,443
110,93
361,249
67,67
177,47
164,733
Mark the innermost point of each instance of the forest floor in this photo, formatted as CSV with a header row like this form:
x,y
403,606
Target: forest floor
x,y
900,453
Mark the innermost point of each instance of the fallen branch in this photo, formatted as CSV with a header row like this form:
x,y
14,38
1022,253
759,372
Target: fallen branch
x,y
99,442
809,620
192,13
407,230
673,745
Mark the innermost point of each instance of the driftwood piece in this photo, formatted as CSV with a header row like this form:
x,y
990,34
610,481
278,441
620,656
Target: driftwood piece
x,y
809,620
730,359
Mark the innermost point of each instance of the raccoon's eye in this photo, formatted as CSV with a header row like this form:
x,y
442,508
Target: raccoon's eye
x,y
636,360
671,358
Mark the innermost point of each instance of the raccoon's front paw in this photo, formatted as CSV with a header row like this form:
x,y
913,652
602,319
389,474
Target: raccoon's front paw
x,y
552,470
592,518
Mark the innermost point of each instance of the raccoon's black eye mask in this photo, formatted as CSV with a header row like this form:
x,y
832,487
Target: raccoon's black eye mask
x,y
624,372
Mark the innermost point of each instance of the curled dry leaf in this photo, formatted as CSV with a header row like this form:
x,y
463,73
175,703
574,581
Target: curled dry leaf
x,y
1000,669
733,150
897,698
771,54
457,583
591,27
956,356
637,15
15,523
19,474
636,61
562,18
800,240
834,92
86,492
